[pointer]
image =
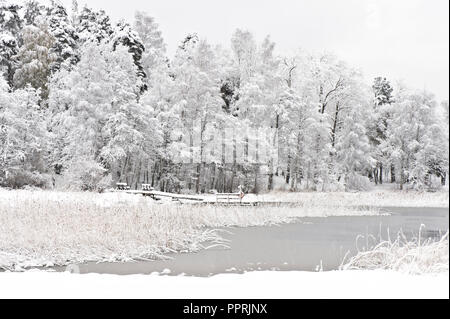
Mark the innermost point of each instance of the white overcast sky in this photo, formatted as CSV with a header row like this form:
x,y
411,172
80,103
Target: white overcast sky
x,y
401,39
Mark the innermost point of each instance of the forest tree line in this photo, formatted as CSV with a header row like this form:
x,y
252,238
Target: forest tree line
x,y
86,103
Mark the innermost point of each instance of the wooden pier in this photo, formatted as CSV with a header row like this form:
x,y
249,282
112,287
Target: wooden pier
x,y
157,195
225,200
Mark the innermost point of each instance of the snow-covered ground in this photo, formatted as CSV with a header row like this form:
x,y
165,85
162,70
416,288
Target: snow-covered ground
x,y
272,285
379,197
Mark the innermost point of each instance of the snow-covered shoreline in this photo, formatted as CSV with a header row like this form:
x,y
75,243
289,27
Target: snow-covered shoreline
x,y
254,285
367,199
42,228
376,198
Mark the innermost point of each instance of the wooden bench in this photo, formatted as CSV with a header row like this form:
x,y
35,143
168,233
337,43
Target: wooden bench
x,y
229,197
123,187
147,188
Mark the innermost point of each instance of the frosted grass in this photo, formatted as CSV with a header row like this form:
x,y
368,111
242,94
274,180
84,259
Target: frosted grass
x,y
412,256
375,199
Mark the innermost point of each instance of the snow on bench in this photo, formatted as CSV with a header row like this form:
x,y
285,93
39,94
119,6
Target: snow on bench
x,y
123,187
147,188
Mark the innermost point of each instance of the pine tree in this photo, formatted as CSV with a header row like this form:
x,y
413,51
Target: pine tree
x,y
65,37
93,26
10,39
383,91
189,42
126,36
10,19
32,10
383,99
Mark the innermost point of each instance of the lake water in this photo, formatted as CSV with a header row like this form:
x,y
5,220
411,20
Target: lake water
x,y
307,245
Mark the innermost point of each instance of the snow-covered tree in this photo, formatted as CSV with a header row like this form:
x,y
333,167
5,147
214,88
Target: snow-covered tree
x,y
65,37
126,36
329,94
378,125
244,49
93,26
101,103
97,116
23,138
10,20
197,95
383,91
32,10
154,56
34,59
295,121
353,147
10,38
415,140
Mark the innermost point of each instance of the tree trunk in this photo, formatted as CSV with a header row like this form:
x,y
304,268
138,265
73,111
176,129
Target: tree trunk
x,y
223,171
197,181
381,173
154,176
402,176
392,173
124,170
191,150
288,170
270,183
234,168
257,162
334,128
138,175
443,179
213,176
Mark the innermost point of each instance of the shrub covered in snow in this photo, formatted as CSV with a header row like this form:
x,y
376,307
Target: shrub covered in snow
x,y
87,175
21,179
357,182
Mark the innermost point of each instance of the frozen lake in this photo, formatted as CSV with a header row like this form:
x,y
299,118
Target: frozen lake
x,y
302,246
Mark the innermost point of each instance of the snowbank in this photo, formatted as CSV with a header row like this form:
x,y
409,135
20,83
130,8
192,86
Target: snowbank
x,y
271,285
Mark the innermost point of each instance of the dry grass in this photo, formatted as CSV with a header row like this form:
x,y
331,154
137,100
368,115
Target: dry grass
x,y
375,199
412,256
